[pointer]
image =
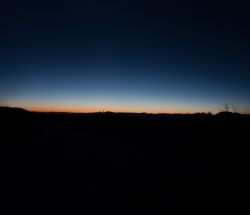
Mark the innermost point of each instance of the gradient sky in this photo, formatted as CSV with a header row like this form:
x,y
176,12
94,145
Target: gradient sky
x,y
143,56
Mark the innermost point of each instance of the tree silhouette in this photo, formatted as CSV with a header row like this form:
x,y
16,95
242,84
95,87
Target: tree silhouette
x,y
226,107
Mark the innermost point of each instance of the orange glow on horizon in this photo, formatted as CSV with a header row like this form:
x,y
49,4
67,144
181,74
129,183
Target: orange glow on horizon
x,y
126,110
42,107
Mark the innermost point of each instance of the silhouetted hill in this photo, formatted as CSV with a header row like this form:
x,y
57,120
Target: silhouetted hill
x,y
13,110
227,114
122,163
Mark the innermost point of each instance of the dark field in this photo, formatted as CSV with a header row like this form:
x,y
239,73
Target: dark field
x,y
118,163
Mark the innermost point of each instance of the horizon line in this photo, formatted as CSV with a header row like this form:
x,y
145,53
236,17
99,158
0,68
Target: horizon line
x,y
108,111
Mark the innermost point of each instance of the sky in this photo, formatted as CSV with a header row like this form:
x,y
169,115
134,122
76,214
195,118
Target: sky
x,y
126,56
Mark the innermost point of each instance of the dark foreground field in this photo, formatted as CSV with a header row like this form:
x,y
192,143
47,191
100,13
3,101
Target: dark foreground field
x,y
111,163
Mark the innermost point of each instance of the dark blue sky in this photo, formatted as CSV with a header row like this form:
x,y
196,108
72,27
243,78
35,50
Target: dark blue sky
x,y
154,56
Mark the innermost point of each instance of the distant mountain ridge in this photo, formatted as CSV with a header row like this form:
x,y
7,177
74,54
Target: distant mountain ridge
x,y
7,109
12,109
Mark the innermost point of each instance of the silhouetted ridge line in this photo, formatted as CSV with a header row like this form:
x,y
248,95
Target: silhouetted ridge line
x,y
12,109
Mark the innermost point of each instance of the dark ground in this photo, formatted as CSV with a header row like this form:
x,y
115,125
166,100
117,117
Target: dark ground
x,y
111,163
